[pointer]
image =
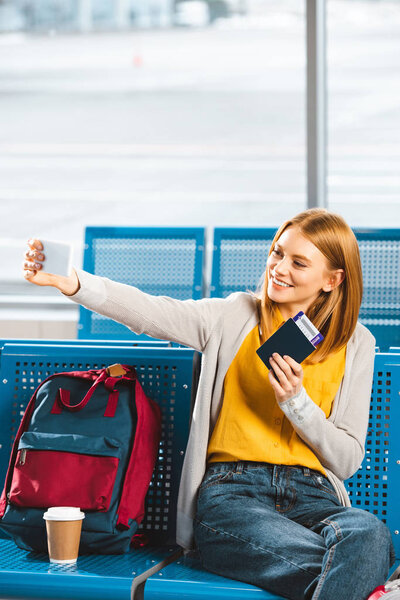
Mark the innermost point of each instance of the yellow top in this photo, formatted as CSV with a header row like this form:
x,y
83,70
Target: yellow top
x,y
251,425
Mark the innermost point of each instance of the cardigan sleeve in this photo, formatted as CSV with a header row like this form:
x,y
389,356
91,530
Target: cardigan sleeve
x,y
339,443
188,322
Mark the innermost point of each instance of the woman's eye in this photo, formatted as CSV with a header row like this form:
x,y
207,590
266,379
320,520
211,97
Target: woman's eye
x,y
296,262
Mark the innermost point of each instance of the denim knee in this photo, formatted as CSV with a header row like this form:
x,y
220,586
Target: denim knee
x,y
386,542
375,536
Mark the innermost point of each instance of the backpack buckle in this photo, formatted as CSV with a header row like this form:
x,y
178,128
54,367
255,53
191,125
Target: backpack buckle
x,y
116,370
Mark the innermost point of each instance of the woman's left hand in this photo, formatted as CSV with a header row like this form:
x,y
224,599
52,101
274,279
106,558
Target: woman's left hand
x,y
290,375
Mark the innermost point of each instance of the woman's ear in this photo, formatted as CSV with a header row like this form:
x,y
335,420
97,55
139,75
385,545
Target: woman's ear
x,y
334,279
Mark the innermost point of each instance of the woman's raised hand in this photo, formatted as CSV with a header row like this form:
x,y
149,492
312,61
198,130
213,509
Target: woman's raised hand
x,y
34,271
289,374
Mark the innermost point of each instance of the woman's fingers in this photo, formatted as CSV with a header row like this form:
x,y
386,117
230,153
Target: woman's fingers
x,y
33,262
35,252
282,363
289,366
272,379
30,269
35,244
34,274
284,370
34,255
295,366
31,265
33,258
281,375
289,374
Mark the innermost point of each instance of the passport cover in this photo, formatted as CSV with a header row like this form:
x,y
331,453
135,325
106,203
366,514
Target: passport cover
x,y
289,340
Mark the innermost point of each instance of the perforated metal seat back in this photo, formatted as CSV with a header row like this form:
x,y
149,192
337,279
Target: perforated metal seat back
x,y
380,309
375,487
160,261
239,259
166,376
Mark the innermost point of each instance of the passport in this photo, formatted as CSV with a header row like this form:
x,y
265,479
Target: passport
x,y
287,340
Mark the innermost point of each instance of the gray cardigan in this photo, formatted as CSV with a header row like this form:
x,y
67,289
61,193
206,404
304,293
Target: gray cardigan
x,y
217,327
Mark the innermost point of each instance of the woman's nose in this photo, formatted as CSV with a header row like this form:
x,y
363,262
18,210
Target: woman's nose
x,y
281,267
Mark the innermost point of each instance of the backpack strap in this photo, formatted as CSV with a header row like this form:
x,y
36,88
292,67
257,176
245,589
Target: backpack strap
x,y
23,427
63,398
142,460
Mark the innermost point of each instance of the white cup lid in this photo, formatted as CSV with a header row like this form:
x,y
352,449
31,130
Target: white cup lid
x,y
63,513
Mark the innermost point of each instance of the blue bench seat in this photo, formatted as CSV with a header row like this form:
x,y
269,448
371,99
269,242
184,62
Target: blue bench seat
x,y
94,577
185,578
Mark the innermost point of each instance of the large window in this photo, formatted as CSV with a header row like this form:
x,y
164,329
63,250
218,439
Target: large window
x,y
197,124
364,111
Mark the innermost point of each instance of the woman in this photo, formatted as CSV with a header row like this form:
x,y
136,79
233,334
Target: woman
x,y
261,493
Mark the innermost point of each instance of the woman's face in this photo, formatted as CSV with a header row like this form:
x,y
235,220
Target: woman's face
x,y
296,262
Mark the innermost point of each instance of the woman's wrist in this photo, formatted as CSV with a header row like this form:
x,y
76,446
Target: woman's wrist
x,y
70,285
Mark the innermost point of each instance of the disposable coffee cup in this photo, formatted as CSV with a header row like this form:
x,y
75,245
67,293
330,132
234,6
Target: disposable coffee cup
x,y
64,526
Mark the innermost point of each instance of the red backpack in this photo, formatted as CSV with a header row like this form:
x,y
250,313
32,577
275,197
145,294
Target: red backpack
x,y
87,439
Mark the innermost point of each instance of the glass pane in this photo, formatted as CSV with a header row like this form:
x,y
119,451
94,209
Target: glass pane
x,y
364,111
194,119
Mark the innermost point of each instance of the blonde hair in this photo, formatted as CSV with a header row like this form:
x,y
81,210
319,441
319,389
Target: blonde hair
x,y
334,313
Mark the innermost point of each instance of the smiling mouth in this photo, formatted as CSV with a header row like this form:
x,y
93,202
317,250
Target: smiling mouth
x,y
280,283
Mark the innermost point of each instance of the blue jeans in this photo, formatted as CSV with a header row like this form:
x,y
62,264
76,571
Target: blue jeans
x,y
283,529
